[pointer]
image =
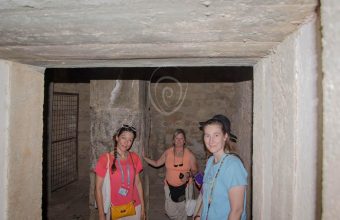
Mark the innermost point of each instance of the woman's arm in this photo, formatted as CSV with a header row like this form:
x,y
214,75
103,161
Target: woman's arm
x,y
155,163
141,195
236,197
99,196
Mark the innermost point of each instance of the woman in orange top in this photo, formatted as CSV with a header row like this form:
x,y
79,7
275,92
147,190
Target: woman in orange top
x,y
179,162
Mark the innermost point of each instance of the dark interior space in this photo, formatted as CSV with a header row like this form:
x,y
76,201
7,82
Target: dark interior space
x,y
191,75
186,74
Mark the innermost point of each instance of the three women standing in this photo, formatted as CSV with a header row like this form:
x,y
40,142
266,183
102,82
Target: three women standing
x,y
224,182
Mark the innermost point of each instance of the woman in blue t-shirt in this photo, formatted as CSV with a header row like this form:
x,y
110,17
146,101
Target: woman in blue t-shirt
x,y
225,178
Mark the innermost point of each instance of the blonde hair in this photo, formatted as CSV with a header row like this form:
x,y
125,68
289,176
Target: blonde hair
x,y
177,132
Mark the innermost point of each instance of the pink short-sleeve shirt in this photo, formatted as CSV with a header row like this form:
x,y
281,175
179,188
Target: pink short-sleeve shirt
x,y
118,180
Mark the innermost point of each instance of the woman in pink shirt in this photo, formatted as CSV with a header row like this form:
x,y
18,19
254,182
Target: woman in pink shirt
x,y
125,166
179,162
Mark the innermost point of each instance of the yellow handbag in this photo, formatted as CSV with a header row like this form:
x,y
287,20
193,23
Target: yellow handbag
x,y
120,211
127,209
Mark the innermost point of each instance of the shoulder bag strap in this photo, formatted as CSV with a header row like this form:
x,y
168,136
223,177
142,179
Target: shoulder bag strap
x,y
108,161
214,183
134,170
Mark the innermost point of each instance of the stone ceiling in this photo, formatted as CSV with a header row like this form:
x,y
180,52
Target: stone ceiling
x,y
88,33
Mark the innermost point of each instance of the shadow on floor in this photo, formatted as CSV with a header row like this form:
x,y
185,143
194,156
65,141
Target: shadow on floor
x,y
70,202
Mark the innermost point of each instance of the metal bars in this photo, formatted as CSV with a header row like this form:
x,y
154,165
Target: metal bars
x,y
64,137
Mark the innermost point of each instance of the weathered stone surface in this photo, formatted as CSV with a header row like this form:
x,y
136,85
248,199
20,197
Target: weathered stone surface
x,y
330,12
286,135
25,152
113,103
4,134
65,33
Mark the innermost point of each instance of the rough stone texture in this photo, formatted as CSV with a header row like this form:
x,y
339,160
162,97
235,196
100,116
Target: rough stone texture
x,y
189,104
38,37
25,142
285,133
243,127
191,110
4,135
73,33
308,125
330,12
113,103
262,144
78,200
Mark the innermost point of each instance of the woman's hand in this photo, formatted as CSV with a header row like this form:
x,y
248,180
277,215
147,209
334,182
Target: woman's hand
x,y
155,163
186,176
102,217
142,215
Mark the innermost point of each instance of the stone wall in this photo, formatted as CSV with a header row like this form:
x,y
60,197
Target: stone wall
x,y
285,136
201,102
330,14
4,135
242,120
24,153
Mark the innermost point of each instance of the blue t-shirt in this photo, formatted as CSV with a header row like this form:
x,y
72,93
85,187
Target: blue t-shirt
x,y
232,173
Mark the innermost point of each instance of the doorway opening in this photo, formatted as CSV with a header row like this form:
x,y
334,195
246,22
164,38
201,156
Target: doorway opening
x,y
148,98
63,160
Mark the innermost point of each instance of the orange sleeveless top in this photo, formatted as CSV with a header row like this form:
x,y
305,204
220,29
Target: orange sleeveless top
x,y
172,172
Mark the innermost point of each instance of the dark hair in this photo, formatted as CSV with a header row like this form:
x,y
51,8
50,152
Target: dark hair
x,y
119,132
177,132
225,124
228,145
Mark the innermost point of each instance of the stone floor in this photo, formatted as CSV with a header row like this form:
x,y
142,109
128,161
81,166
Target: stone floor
x,y
157,201
72,202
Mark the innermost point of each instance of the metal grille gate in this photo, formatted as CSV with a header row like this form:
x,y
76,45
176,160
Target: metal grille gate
x,y
64,139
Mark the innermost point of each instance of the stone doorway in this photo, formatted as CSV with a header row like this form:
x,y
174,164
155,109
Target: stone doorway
x,y
232,87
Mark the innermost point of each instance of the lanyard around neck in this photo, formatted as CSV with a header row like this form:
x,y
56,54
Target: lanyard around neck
x,y
181,164
214,182
122,172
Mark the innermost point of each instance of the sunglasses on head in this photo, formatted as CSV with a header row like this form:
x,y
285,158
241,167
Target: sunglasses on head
x,y
129,127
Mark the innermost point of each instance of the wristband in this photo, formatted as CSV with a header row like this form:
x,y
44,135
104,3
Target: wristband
x,y
199,178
